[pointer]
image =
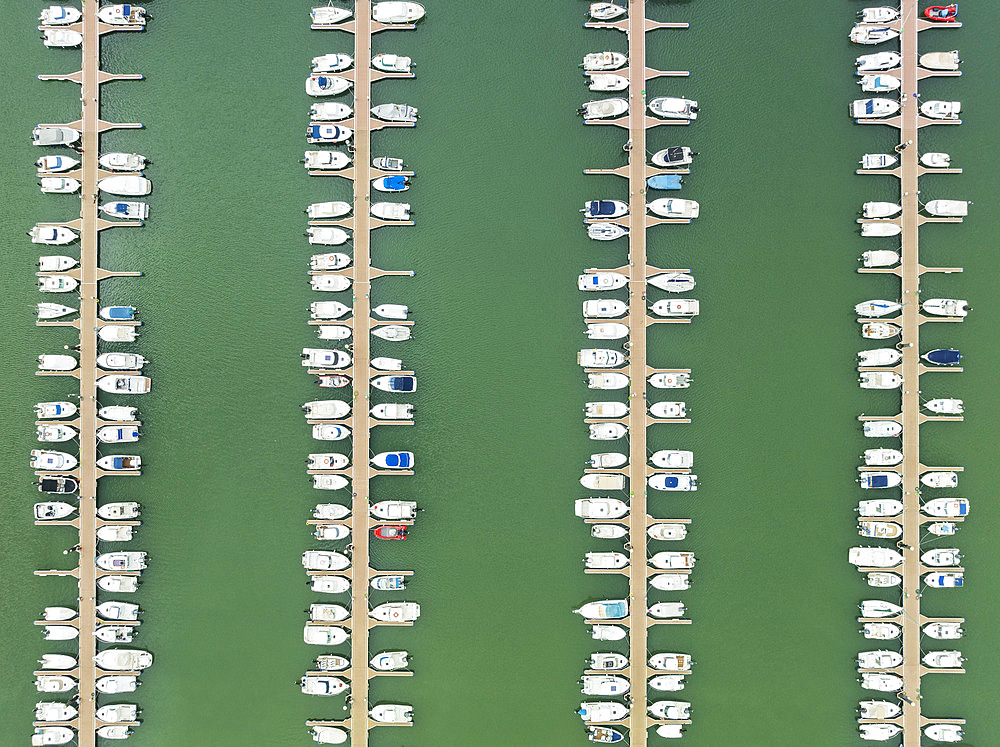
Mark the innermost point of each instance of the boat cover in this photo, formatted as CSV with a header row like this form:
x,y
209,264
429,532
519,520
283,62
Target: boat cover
x,y
313,131
878,481
870,106
675,153
120,207
670,481
120,312
401,383
944,356
398,459
601,207
664,181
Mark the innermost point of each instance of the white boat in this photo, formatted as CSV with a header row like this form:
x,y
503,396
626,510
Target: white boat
x,y
52,461
606,231
329,15
333,331
605,560
61,38
122,15
604,209
668,410
880,209
332,663
131,186
120,511
328,133
670,731
604,684
57,284
939,479
936,160
664,380
52,235
951,580
940,60
395,112
673,483
667,531
389,661
672,459
324,635
58,186
873,107
878,709
946,508
948,208
393,460
331,511
862,34
942,557
53,310
330,584
608,531
944,732
879,357
116,633
667,683
603,482
118,584
122,161
394,510
45,735
328,309
329,111
129,210
122,561
55,433
604,61
49,711
671,581
880,258
115,434
607,381
879,479
326,409
55,164
607,431
121,361
883,229
668,561
607,460
886,683
605,11
880,330
879,83
874,557
883,579
878,732
324,560
382,363
393,411
601,281
397,12
604,308
57,363
605,409
878,15
600,358
666,610
673,282
387,163
331,63
937,109
607,82
322,684
878,161
673,157
59,614
328,461
327,235
606,609
882,428
392,311
666,662
326,210
333,261
671,107
882,457
673,710
114,684
325,160
391,210
880,380
943,528
54,135
59,15
946,406
393,713
607,662
331,284
115,533
608,632
325,358
388,582
604,108
600,508
120,462
944,631
328,613
392,63
877,308
52,510
330,432
676,307
880,659
123,660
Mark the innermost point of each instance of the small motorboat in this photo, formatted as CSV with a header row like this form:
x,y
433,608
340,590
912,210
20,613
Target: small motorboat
x,y
326,409
59,15
130,186
880,258
608,331
606,82
948,208
599,358
59,614
45,735
328,133
874,557
391,532
677,307
328,309
605,409
55,433
324,635
122,15
331,511
671,581
392,63
868,63
673,710
329,111
55,164
604,684
608,531
601,281
665,662
878,161
666,610
52,510
330,584
123,660
332,663
331,63
939,479
945,406
329,15
130,210
119,463
603,482
936,160
607,431
119,511
603,108
393,183
54,135
942,631
671,107
325,358
606,231
397,12
665,181
605,12
602,711
122,162
880,659
118,413
880,330
122,561
673,157
673,282
936,109
882,428
394,510
333,382
325,160
667,683
942,557
116,633
328,613
672,561
883,579
880,209
607,460
607,381
882,457
395,112
667,531
391,210
876,479
607,609
58,186
327,235
947,13
48,711
61,38
331,284
887,683
332,331
52,235
396,612
669,459
940,60
324,560
880,529
390,661
392,311
683,483
880,380
322,84
391,582
879,83
52,461
607,662
604,734
392,713
668,410
862,34
330,432
600,508
60,633
55,410
946,508
871,108
393,460
332,261
882,229
604,209
387,163
326,210
113,434
943,357
57,485
57,284
952,580
604,61
879,732
878,15
395,383
115,684
944,732
121,361
392,411
879,357
943,528
665,380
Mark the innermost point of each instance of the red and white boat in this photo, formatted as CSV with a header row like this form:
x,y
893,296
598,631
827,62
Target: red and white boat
x,y
333,382
947,13
390,532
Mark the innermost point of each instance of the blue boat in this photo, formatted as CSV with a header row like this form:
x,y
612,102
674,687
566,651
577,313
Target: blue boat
x,y
943,357
393,460
395,383
604,209
118,313
665,181
394,183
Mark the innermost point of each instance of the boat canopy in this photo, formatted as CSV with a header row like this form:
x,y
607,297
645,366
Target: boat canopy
x,y
665,181
601,207
944,356
397,182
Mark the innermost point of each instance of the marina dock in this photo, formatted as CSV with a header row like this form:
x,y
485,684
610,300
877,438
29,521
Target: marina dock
x,y
90,224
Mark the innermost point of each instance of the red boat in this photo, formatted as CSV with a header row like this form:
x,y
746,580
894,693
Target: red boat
x,y
333,382
390,532
942,12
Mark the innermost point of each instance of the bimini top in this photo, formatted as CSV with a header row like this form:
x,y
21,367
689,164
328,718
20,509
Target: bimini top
x,y
601,207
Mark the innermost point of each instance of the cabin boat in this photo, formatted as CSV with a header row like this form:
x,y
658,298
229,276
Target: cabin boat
x,y
330,432
879,732
609,331
673,282
391,210
607,82
673,157
113,434
397,12
122,162
57,485
879,83
331,63
322,84
325,160
325,358
48,711
392,411
392,311
673,710
603,482
946,406
324,635
328,613
55,433
940,60
604,209
605,12
672,459
878,15
668,482
604,61
333,331
878,479
607,431
942,557
121,361
607,609
600,358
328,309
57,284
393,460
392,63
389,582
880,209
58,186
881,229
882,457
936,109
880,258
944,732
944,631
950,580
604,108
671,107
601,281
57,363
332,261
326,409
605,560
328,133
605,409
602,711
122,463
666,610
394,510
54,135
122,15
862,34
882,428
667,531
677,307
59,15
391,183
666,380
868,63
873,107
123,660
52,410
331,511
607,381
329,111
600,508
887,683
880,330
130,186
943,528
395,383
130,210
327,235
52,235
946,508
877,308
119,511
324,560
666,561
604,684
330,584
668,410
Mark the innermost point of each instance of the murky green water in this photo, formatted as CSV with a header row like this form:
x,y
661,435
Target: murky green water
x,y
500,440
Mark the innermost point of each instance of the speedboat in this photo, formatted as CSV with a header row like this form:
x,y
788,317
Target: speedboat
x,y
939,479
602,711
878,161
604,61
946,508
667,410
604,209
393,411
677,307
665,380
605,409
880,330
324,560
387,163
609,331
673,710
112,434
606,231
331,284
673,157
671,107
667,531
665,662
604,734
393,460
53,310
944,732
877,308
607,609
131,210
882,457
327,235
331,511
879,83
862,34
54,410
52,510
607,662
868,63
391,210
666,610
952,580
886,683
880,380
121,361
880,659
330,432
392,63
603,482
669,459
331,63
59,15
601,281
607,82
600,508
57,284
55,164
392,311
330,584
55,433
874,557
665,181
119,463
326,160
869,108
881,710
57,485
394,510
881,229
943,528
878,15
45,735
608,531
943,357
942,557
605,560
880,209
607,381
879,357
876,479
119,511
328,133
395,383
393,183
332,261
879,732
326,409
122,162
673,282
936,109
880,258
668,561
123,660
947,13
942,631
396,612
328,309
948,208
883,579
328,613
329,15
325,358
607,460
122,15
395,112
61,38
54,135
129,384
397,12
388,582
324,635
122,561
52,235
671,581
940,60
879,608
604,684
680,483
882,428
329,111
605,12
607,431
389,661
945,406
48,711
603,108
131,186
936,160
599,358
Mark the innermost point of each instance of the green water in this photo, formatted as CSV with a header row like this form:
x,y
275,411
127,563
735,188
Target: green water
x,y
500,440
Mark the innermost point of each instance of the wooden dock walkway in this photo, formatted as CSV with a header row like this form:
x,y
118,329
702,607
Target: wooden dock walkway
x,y
90,224
909,121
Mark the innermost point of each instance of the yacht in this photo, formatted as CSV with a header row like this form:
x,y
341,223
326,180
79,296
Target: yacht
x,y
879,357
862,34
944,732
325,160
123,660
395,383
940,60
670,107
881,659
880,380
951,580
604,684
939,479
936,109
604,108
607,609
664,380
944,631
955,307
328,133
52,235
883,579
393,460
668,410
946,508
329,15
673,282
669,561
604,209
668,482
395,113
946,406
55,164
667,531
601,281
121,361
129,186
324,560
604,61
600,508
42,135
878,161
324,635
59,15
607,431
874,557
397,12
879,83
48,711
607,381
606,231
392,63
329,111
677,307
607,82
673,710
873,107
600,358
671,581
666,610
119,511
52,510
391,210
396,612
331,63
389,661
55,410
673,157
57,284
605,12
602,711
122,15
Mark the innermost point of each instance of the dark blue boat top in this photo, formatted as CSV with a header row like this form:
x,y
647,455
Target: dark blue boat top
x,y
671,481
944,356
601,207
401,383
878,481
675,153
313,131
